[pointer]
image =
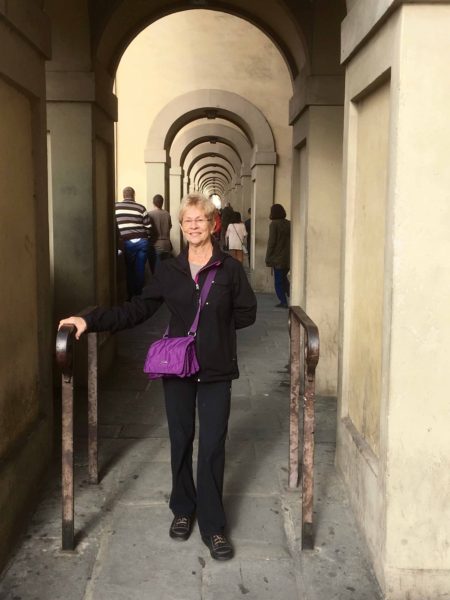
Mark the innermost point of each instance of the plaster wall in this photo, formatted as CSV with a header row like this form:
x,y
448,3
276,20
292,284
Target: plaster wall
x,y
418,462
316,217
71,36
299,217
365,274
18,315
322,277
26,332
363,463
399,488
104,209
73,177
189,46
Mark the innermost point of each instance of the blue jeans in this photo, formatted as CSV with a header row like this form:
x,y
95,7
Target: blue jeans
x,y
136,255
282,288
160,255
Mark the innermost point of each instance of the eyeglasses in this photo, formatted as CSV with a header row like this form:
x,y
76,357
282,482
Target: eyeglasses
x,y
199,221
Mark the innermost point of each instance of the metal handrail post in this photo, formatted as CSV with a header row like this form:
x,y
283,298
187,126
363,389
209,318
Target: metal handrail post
x,y
303,379
294,402
64,358
92,407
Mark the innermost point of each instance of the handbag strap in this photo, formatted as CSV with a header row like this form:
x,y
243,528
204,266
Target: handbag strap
x,y
202,300
242,243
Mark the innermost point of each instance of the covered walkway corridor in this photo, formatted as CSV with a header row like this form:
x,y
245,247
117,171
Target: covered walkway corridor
x,y
338,111
123,547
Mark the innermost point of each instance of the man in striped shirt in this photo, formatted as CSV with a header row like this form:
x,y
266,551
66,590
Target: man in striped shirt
x,y
135,228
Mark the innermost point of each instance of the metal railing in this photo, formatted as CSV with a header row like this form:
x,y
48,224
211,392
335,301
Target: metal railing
x,y
64,358
304,356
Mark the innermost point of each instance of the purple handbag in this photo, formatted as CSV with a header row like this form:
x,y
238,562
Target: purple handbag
x,y
175,357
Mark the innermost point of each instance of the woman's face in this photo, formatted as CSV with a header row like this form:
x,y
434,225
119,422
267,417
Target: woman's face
x,y
196,228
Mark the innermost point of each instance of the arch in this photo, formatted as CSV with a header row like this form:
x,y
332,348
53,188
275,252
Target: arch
x,y
212,180
216,161
212,168
211,150
208,103
116,26
186,140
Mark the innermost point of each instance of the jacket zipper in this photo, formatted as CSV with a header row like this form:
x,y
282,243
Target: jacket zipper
x,y
197,288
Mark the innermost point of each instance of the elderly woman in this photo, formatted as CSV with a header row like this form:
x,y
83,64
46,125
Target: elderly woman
x,y
278,253
231,305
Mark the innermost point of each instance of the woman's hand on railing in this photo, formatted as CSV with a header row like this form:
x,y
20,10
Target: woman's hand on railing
x,y
78,322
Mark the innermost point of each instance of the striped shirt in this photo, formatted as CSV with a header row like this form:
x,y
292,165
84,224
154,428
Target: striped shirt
x,y
133,220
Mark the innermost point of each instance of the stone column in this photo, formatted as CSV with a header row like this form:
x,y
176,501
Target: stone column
x,y
316,212
246,183
185,185
82,190
263,178
156,168
175,200
393,442
238,201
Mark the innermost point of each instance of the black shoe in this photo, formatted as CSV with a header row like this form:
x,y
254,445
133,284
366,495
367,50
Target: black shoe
x,y
219,546
281,305
181,528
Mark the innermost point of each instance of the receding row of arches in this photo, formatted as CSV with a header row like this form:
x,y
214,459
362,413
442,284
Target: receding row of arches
x,y
365,192
216,159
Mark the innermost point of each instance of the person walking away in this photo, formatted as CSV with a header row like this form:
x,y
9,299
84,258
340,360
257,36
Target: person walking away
x,y
226,216
236,237
231,305
163,224
135,229
248,229
278,253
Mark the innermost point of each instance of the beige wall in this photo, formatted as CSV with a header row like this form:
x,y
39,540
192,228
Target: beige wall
x,y
394,449
182,53
365,273
26,328
418,467
18,296
322,277
315,247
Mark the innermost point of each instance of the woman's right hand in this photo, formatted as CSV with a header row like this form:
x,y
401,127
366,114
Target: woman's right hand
x,y
79,323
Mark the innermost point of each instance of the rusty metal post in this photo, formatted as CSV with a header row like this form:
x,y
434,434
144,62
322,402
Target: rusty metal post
x,y
68,539
308,460
92,409
304,355
294,402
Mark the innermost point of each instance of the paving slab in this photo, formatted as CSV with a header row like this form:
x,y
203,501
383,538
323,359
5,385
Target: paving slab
x,y
123,549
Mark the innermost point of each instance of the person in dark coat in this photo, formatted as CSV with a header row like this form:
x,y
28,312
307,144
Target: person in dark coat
x,y
231,305
278,255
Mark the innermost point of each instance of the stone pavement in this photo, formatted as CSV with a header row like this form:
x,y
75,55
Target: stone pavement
x,y
124,551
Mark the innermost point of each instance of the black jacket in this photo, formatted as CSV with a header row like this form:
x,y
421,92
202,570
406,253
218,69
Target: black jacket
x,y
231,305
278,253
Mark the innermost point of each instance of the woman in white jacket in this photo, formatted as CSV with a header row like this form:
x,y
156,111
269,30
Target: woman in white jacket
x,y
235,236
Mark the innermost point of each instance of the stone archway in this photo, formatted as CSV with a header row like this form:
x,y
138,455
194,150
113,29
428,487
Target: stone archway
x,y
212,133
232,107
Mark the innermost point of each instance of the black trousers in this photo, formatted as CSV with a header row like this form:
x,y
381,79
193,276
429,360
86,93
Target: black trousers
x,y
213,405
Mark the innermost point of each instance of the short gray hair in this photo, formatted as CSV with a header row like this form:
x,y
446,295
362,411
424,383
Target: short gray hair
x,y
200,201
